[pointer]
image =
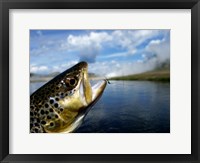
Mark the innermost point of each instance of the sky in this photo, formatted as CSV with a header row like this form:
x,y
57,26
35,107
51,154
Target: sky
x,y
108,52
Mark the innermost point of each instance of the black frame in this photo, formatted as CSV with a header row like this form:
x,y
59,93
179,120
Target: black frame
x,y
5,5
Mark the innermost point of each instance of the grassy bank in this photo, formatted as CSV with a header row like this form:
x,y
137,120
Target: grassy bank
x,y
157,75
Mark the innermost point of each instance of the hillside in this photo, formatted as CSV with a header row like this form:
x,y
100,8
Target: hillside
x,y
162,75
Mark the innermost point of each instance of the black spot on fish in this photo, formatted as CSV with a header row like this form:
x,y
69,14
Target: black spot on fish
x,y
56,116
42,112
32,107
57,99
46,105
51,110
31,113
51,124
36,124
51,101
47,112
56,105
61,109
48,117
36,130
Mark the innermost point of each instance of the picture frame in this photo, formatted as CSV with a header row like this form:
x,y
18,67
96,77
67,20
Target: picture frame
x,y
5,5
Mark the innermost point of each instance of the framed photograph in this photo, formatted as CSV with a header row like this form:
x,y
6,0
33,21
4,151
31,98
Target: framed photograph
x,y
99,81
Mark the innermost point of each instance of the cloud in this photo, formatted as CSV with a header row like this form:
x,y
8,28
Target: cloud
x,y
109,52
118,68
87,45
38,69
88,40
160,49
63,67
42,50
113,55
130,39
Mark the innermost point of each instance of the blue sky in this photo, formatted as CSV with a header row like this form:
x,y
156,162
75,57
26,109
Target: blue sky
x,y
108,52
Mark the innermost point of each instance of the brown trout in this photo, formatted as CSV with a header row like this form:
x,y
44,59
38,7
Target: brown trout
x,y
61,104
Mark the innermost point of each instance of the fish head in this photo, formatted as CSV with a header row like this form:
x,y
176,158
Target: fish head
x,y
69,99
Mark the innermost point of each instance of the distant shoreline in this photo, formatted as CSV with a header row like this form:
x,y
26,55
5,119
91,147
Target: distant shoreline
x,y
40,79
157,75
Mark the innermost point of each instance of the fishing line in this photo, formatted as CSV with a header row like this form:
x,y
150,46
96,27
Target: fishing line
x,y
116,83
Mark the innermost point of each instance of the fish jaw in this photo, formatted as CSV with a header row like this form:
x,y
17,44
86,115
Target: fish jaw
x,y
97,91
87,87
91,93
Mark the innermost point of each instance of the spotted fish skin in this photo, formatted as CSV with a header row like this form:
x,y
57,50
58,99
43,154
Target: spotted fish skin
x,y
59,105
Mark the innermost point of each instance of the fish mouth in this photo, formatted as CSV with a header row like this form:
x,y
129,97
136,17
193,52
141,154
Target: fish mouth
x,y
90,93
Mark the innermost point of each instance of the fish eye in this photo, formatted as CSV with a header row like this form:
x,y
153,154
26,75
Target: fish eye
x,y
72,81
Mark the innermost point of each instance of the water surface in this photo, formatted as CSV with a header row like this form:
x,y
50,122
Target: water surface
x,y
129,107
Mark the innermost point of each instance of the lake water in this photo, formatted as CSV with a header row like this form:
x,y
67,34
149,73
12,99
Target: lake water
x,y
129,107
